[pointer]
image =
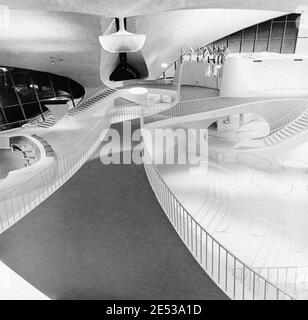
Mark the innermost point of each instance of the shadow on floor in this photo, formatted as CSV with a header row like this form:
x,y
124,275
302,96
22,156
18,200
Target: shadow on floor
x,y
103,235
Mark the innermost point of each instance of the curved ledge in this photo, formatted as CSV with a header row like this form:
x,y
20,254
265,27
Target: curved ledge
x,y
234,277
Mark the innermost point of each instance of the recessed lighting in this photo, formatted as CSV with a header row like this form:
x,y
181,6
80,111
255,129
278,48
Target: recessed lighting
x,y
164,65
138,90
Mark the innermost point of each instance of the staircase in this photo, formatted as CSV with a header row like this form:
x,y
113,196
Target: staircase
x,y
90,102
293,128
289,130
49,122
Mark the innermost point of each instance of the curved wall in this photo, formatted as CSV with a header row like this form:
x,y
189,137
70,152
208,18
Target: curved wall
x,y
168,32
264,72
274,35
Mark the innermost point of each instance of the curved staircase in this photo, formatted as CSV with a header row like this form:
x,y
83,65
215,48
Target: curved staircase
x,y
298,125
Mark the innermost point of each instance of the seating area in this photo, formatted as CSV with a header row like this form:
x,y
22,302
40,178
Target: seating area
x,y
19,153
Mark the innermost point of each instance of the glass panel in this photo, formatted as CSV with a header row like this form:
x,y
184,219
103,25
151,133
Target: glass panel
x,y
13,114
274,46
42,83
291,30
288,46
247,46
221,42
27,83
24,87
281,18
277,30
7,92
264,30
2,118
293,16
60,86
261,46
250,33
235,36
234,46
44,109
77,89
31,109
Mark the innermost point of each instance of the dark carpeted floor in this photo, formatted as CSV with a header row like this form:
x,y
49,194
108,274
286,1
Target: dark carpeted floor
x,y
103,235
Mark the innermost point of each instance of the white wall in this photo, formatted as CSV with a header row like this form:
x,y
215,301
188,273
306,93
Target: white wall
x,y
276,71
195,72
168,32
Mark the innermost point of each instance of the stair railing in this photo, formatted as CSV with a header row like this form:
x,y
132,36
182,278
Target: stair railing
x,y
290,278
219,263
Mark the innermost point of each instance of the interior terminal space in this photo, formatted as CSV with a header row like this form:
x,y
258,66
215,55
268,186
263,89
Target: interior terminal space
x,y
154,150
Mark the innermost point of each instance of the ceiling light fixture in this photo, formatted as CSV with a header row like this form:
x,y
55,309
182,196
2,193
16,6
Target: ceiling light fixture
x,y
138,90
164,65
122,41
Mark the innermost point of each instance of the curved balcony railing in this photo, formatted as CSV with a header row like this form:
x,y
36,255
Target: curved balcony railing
x,y
190,107
245,135
290,278
17,202
259,133
219,263
132,110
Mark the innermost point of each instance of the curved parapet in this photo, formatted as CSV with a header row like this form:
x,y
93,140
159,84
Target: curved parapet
x,y
19,199
234,277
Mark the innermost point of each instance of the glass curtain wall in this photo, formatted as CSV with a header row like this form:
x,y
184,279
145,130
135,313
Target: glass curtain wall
x,y
276,35
24,94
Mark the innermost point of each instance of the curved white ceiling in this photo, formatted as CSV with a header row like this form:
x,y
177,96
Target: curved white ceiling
x,y
168,32
113,8
36,35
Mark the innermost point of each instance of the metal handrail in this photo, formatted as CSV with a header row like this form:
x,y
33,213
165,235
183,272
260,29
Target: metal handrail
x,y
18,201
287,118
258,134
195,233
291,278
190,107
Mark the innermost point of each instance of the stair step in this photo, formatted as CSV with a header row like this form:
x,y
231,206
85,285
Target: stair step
x,y
287,129
280,135
276,137
268,141
298,125
303,122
